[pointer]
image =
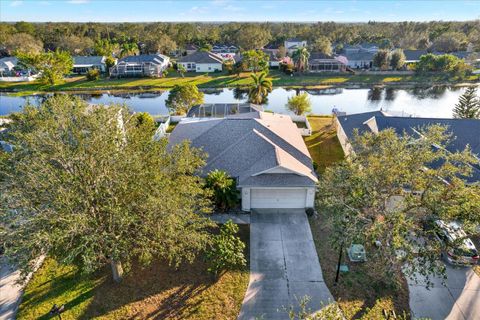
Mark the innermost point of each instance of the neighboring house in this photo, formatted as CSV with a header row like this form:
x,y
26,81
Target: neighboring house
x,y
7,64
264,152
190,48
413,56
224,48
273,60
144,65
221,110
293,44
82,64
320,62
202,61
271,47
364,46
359,59
464,131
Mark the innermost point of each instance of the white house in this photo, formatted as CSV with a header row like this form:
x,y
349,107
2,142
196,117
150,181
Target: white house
x,y
293,44
264,152
82,64
202,61
144,65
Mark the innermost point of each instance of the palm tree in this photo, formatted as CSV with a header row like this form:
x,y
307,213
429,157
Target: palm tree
x,y
259,89
224,189
300,57
299,104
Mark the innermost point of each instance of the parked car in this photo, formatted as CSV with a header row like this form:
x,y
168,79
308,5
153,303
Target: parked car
x,y
458,249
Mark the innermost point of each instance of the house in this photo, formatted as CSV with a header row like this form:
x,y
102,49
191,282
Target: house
x,y
413,56
264,152
221,110
364,46
465,131
273,60
7,64
320,62
144,65
224,48
359,59
202,61
190,48
82,64
293,44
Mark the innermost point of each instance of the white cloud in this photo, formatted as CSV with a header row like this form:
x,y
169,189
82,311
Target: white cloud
x,y
78,1
16,3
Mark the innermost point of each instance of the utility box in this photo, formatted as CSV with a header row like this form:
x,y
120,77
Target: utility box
x,y
356,253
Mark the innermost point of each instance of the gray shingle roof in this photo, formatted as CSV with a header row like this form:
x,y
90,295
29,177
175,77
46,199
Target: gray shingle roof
x,y
248,145
143,58
414,55
202,57
361,55
465,131
87,60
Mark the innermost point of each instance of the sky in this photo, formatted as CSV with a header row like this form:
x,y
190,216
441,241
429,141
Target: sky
x,y
236,10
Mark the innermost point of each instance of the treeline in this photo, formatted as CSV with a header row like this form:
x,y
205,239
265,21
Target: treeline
x,y
89,38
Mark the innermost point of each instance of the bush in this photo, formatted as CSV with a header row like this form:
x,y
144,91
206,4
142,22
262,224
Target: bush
x,y
93,74
224,189
226,252
310,212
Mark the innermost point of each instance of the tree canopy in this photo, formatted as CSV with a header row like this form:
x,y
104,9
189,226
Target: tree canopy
x,y
88,185
52,66
468,106
381,195
182,97
255,60
299,104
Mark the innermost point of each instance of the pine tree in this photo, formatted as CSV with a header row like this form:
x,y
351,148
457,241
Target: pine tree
x,y
468,106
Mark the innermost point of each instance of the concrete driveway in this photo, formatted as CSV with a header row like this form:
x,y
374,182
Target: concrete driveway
x,y
10,291
458,300
284,265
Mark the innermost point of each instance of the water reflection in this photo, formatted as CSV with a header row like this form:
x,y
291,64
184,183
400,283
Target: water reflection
x,y
436,101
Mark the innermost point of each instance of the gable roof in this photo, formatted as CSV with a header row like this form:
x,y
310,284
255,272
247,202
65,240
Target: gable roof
x,y
202,57
144,58
8,63
249,145
360,55
87,60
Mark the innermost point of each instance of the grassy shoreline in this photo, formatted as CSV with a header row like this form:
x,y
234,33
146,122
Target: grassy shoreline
x,y
79,84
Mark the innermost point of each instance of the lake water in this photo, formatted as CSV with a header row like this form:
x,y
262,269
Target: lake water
x,y
436,102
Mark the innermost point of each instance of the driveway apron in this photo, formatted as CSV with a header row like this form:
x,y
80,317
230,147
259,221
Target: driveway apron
x,y
284,265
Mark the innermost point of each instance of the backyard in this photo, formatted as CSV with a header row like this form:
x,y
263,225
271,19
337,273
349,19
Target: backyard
x,y
222,80
154,292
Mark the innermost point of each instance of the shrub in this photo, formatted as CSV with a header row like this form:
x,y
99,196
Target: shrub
x,y
93,74
226,252
224,189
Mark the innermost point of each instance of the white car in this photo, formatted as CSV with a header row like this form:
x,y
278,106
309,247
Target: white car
x,y
458,249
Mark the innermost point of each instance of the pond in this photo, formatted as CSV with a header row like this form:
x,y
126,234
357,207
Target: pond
x,y
436,102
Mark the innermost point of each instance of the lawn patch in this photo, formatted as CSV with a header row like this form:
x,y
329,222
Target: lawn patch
x,y
157,291
323,144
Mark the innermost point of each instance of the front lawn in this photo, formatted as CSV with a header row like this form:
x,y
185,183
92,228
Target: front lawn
x,y
154,292
363,292
323,144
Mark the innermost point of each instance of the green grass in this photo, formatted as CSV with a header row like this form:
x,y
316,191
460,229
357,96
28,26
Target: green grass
x,y
153,292
323,144
222,80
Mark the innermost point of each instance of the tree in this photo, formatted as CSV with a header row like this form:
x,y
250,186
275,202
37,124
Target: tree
x,y
128,49
252,36
446,63
300,58
145,121
255,60
380,196
397,59
224,187
322,44
23,42
226,252
381,59
468,106
104,47
52,66
88,186
109,63
25,27
181,69
76,45
161,43
299,104
182,97
259,89
449,42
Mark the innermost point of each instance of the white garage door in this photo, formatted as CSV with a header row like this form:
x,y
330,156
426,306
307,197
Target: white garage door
x,y
277,198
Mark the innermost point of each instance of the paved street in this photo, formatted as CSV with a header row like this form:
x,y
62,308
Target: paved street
x,y
284,265
459,300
